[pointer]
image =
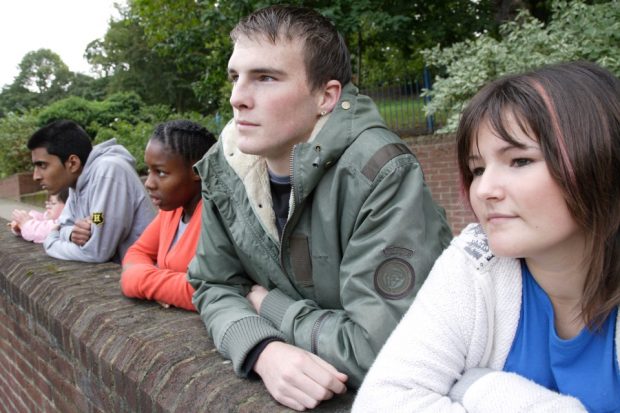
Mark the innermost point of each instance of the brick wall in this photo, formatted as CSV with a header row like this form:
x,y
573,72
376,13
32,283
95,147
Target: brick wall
x,y
13,186
70,342
437,155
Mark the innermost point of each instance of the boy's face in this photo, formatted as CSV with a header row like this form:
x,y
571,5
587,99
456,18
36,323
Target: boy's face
x,y
52,174
273,105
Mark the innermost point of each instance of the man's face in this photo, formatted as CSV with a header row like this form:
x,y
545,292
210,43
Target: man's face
x,y
272,103
52,174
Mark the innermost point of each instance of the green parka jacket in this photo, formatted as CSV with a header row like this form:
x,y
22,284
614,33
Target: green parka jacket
x,y
362,235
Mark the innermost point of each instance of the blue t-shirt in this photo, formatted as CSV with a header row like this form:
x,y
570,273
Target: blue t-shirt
x,y
584,366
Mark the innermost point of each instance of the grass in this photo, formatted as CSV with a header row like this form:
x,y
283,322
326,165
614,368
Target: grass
x,y
405,115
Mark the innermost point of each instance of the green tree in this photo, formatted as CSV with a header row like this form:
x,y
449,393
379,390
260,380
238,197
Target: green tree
x,y
43,71
44,78
576,31
130,63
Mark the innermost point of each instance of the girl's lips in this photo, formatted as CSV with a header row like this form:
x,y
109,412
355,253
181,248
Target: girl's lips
x,y
497,218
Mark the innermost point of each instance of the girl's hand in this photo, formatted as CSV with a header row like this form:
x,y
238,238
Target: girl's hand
x,y
20,216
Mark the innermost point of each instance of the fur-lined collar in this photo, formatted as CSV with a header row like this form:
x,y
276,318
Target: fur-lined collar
x,y
252,170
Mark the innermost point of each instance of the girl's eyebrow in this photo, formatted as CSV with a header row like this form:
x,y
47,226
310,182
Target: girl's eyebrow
x,y
506,148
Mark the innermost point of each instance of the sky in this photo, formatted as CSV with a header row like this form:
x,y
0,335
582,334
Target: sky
x,y
64,26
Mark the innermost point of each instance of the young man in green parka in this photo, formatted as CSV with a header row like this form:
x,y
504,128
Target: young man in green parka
x,y
318,228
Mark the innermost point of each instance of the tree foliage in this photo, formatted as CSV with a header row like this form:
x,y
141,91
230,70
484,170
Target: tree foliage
x,y
14,133
576,31
385,37
130,63
44,78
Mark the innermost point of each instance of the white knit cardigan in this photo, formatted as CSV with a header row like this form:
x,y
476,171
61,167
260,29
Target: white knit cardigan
x,y
464,318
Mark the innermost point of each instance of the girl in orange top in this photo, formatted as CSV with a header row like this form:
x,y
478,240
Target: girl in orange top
x,y
154,267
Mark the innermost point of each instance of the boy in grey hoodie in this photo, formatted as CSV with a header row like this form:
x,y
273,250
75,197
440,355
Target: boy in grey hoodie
x,y
108,207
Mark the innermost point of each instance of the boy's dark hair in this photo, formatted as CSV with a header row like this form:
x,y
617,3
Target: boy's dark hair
x,y
326,56
63,195
184,137
573,111
62,138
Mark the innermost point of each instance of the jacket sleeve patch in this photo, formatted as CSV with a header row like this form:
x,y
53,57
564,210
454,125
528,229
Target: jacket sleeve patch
x,y
97,218
383,156
394,278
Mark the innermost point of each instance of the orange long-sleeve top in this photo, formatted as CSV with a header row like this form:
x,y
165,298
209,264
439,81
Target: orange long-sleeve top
x,y
154,271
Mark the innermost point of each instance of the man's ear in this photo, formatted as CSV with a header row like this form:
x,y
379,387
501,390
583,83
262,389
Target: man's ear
x,y
73,164
330,96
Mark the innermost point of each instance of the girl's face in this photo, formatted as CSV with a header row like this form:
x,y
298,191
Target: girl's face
x,y
521,208
171,183
54,207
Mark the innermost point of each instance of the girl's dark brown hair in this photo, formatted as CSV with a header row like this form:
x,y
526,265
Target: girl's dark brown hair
x,y
573,110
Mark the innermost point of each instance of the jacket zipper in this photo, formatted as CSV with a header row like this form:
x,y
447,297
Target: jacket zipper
x,y
290,212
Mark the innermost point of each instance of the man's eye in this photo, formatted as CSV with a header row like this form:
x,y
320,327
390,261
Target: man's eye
x,y
266,78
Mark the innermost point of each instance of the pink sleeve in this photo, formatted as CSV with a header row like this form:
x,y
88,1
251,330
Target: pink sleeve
x,y
36,230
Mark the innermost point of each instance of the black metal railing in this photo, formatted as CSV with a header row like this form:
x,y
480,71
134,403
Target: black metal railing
x,y
402,106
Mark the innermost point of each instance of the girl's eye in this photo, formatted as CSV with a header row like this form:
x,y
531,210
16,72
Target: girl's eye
x,y
477,171
161,173
519,162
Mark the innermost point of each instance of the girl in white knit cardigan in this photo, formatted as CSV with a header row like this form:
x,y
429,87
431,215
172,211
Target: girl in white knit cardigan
x,y
520,313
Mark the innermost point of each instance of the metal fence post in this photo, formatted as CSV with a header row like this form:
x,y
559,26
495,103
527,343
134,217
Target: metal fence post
x,y
430,120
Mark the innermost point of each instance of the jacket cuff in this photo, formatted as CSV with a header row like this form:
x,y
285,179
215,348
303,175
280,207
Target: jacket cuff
x,y
243,336
274,306
469,377
65,233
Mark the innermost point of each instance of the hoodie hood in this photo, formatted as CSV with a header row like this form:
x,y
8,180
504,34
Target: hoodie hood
x,y
109,151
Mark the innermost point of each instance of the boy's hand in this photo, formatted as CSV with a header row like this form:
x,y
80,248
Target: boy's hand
x,y
81,231
297,378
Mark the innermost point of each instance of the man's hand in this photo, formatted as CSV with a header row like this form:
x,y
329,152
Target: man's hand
x,y
81,231
296,378
256,296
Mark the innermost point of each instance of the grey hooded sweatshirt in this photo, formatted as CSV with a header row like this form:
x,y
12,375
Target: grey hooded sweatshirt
x,y
110,192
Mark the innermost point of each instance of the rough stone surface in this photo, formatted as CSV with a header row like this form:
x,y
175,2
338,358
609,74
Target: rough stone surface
x,y
70,342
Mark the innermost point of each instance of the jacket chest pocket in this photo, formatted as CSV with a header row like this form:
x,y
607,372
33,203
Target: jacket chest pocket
x,y
301,260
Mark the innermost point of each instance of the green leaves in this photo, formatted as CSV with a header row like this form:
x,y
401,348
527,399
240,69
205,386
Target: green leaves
x,y
577,31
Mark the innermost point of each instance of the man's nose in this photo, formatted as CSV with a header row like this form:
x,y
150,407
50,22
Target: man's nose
x,y
241,96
